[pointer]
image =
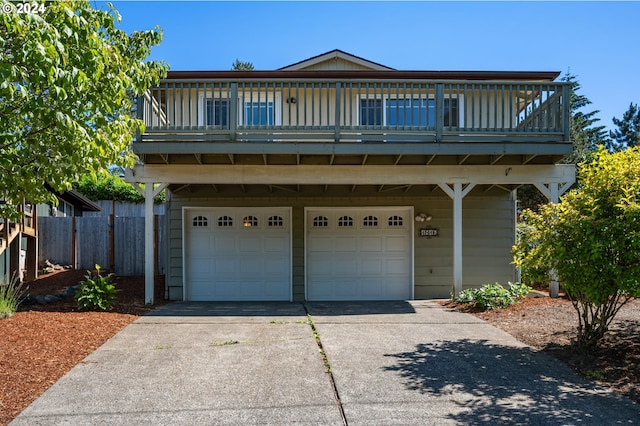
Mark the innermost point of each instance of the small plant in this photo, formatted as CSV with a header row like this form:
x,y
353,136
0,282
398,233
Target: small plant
x,y
492,296
225,343
96,293
519,290
10,297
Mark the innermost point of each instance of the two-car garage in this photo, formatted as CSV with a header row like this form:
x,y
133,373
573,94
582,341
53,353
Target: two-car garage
x,y
245,253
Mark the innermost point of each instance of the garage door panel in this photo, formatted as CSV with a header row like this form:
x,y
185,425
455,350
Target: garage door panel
x,y
395,243
250,243
276,266
347,266
224,244
276,244
371,260
371,266
370,244
396,266
345,244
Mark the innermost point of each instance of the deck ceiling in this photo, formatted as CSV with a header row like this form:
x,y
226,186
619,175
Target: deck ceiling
x,y
351,159
328,190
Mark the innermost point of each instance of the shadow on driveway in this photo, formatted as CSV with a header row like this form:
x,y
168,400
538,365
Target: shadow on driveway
x,y
500,384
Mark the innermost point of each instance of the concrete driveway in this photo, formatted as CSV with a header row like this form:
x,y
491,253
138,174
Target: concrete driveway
x,y
408,363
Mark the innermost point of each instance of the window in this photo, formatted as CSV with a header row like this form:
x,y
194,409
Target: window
x,y
418,112
345,221
275,221
411,112
199,221
225,221
259,113
370,221
320,221
217,112
248,221
395,221
371,112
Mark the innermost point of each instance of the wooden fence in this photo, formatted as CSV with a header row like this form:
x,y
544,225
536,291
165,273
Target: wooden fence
x,y
113,242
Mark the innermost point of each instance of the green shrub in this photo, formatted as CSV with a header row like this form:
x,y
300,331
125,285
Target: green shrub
x,y
492,296
519,290
96,293
10,297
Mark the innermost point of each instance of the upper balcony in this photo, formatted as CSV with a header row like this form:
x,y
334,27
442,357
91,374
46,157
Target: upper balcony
x,y
386,113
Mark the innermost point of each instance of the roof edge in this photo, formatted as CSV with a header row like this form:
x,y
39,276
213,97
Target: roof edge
x,y
350,74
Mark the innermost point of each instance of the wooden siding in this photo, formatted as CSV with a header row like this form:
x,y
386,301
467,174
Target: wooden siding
x,y
488,234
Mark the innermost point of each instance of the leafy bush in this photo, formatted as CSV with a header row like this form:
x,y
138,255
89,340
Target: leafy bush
x,y
10,297
111,187
519,290
591,238
96,293
492,296
526,243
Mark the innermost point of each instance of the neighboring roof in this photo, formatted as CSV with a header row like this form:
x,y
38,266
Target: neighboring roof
x,y
335,54
76,199
364,75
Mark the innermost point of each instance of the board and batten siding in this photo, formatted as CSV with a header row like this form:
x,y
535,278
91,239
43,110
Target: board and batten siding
x,y
488,235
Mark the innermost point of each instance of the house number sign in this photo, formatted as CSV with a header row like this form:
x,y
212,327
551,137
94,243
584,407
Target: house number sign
x,y
429,232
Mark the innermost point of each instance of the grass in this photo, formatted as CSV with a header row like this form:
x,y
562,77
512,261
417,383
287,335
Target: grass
x,y
10,297
225,343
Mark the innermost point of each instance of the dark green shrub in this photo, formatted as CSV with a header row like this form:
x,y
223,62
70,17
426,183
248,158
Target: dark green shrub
x,y
96,293
492,296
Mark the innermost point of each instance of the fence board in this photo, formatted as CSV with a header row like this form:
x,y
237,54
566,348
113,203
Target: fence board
x,y
123,209
54,240
92,235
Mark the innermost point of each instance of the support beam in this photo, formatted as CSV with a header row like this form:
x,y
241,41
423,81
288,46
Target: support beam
x,y
349,174
149,191
457,193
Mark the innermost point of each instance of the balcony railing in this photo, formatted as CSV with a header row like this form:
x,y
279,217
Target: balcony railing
x,y
355,111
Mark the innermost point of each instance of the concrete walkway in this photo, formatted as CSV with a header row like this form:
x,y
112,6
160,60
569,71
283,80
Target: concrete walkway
x,y
405,363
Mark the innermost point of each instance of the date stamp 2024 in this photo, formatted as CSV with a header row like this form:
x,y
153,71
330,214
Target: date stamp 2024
x,y
23,7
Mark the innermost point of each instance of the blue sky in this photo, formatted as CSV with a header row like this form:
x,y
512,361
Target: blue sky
x,y
597,41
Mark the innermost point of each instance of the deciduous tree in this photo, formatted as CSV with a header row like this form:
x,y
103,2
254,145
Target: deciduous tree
x,y
68,77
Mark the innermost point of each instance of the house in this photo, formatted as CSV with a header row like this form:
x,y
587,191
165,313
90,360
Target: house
x,y
338,178
19,240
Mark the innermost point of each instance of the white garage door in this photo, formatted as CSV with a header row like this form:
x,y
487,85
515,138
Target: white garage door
x,y
237,254
359,253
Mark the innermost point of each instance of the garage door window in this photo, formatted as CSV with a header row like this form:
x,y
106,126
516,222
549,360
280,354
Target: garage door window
x,y
345,221
200,221
395,221
320,222
248,221
225,221
275,222
370,222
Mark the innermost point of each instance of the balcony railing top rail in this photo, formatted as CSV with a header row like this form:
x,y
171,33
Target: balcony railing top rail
x,y
355,110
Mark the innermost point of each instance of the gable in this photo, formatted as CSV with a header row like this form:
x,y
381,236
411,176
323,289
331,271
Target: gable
x,y
335,60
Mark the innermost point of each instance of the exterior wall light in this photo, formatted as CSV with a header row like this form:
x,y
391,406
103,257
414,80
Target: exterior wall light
x,y
423,217
291,100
